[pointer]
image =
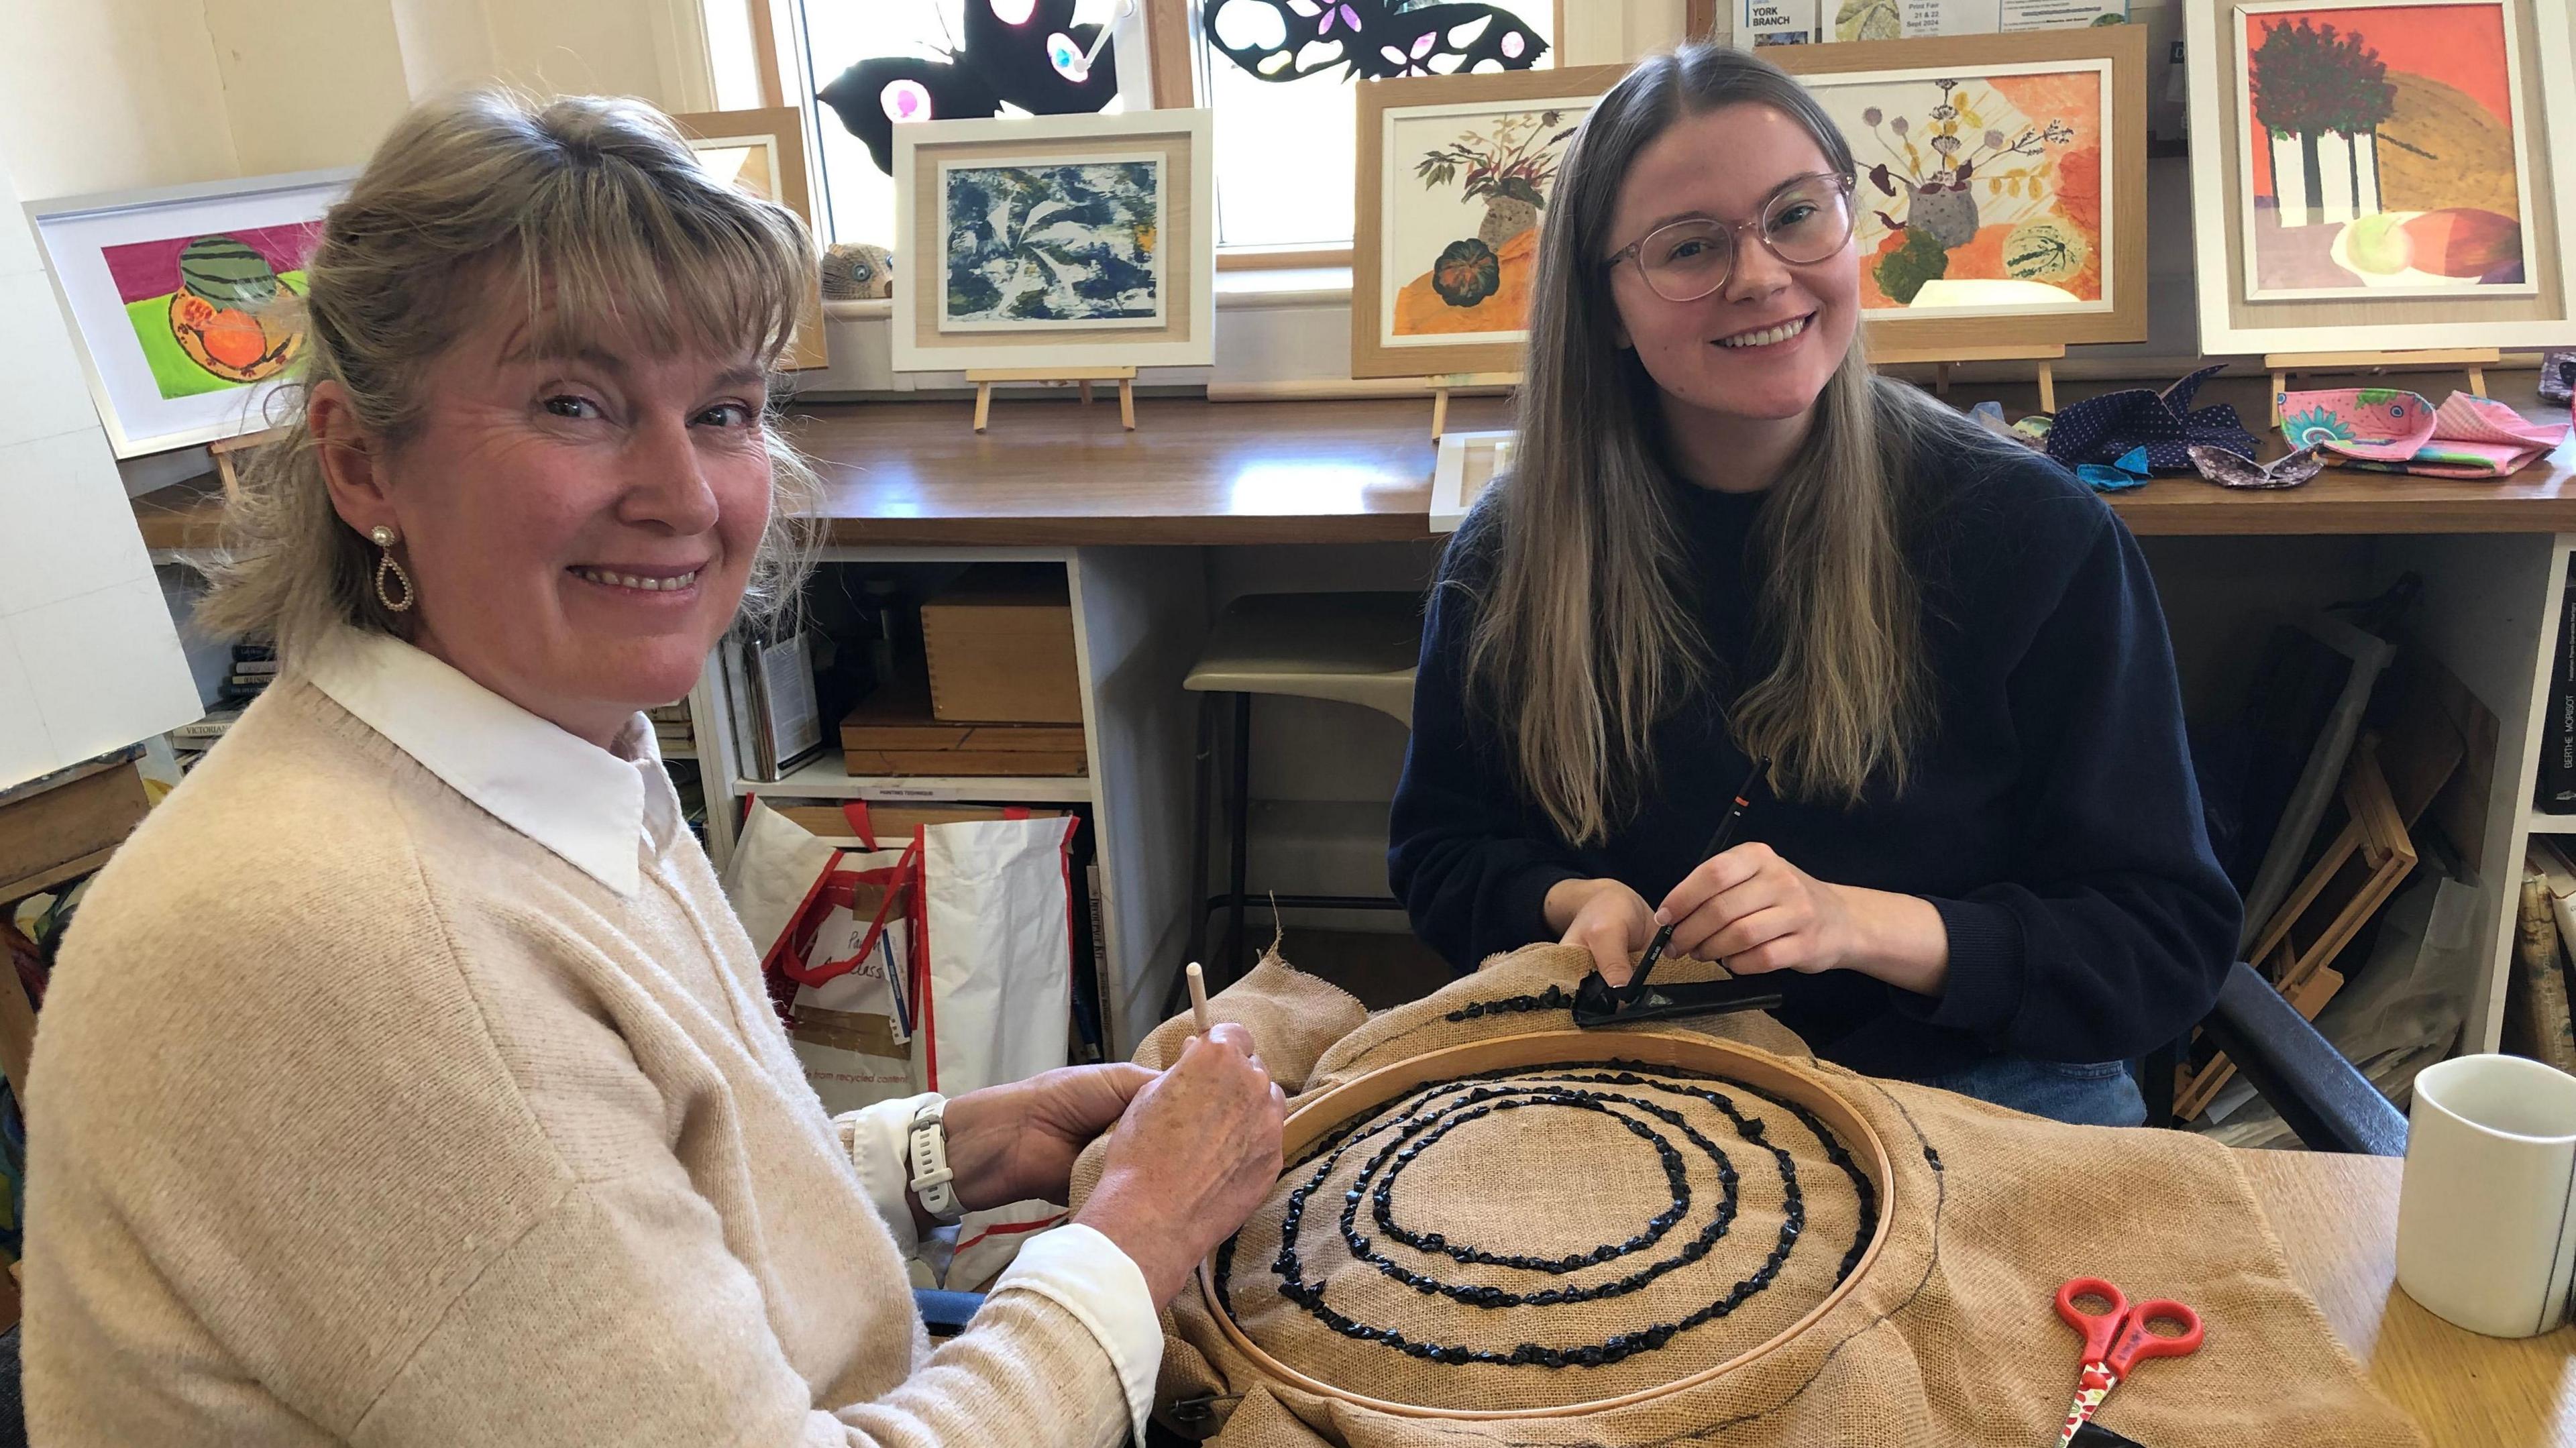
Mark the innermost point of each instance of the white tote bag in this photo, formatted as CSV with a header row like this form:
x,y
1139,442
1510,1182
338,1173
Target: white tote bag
x,y
996,938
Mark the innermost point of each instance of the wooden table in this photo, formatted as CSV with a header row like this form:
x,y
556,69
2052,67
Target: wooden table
x,y
2336,1217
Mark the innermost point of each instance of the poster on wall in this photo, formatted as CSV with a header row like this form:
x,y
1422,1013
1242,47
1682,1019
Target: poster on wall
x,y
1455,177
183,300
1912,19
2384,150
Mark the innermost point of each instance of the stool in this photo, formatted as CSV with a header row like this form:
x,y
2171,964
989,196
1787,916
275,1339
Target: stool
x,y
1359,648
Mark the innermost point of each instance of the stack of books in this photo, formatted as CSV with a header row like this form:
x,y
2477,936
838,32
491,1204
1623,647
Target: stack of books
x,y
673,732
253,667
777,723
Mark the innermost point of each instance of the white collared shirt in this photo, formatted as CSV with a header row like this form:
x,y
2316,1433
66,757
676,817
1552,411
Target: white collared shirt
x,y
601,811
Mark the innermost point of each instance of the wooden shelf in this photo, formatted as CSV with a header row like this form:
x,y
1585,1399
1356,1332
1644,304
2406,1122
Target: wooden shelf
x,y
824,778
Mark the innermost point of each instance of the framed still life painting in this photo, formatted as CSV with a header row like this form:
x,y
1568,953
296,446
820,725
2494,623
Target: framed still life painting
x,y
2001,194
1079,241
1454,177
182,300
2382,174
763,152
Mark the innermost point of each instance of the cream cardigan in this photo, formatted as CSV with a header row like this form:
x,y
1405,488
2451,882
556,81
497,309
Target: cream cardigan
x,y
361,1116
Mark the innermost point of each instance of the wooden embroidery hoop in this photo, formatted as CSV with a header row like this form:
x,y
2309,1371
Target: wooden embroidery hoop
x,y
1704,1055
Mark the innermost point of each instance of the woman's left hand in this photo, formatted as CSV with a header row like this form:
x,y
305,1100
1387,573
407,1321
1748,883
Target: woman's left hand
x,y
1017,1142
1754,912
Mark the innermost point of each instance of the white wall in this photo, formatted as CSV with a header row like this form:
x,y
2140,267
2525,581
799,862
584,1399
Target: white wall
x,y
102,95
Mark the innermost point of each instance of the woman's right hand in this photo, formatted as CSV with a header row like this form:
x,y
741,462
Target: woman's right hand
x,y
1195,1152
1606,918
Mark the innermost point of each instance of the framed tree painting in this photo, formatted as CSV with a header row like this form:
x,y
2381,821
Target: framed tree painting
x,y
1084,241
183,300
2001,195
763,152
2382,174
1455,174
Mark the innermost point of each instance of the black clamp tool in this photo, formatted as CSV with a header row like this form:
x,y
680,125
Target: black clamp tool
x,y
1598,1003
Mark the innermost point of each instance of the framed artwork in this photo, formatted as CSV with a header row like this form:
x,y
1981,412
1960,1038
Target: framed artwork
x,y
182,300
1085,241
1454,178
2381,174
763,152
2001,195
2381,154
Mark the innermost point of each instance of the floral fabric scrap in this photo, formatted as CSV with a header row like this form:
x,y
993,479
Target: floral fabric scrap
x,y
2387,429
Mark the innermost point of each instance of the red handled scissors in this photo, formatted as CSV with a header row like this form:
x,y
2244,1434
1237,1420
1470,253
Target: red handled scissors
x,y
2118,1337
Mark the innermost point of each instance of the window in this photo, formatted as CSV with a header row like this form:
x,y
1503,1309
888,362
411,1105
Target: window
x,y
957,61
1284,147
1285,151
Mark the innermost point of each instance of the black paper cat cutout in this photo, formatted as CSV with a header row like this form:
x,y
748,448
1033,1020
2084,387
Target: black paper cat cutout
x,y
1026,53
1374,39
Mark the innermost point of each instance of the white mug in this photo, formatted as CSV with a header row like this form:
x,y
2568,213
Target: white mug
x,y
2486,1223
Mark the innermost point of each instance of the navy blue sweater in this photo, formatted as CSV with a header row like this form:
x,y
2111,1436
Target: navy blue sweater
x,y
2051,817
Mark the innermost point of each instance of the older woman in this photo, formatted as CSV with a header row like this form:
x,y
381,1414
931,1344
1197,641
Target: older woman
x,y
407,1079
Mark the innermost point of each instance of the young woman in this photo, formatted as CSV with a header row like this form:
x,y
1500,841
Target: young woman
x,y
1977,856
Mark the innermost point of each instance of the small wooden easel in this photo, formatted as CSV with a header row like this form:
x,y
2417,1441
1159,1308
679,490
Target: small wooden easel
x,y
1444,383
224,448
1082,377
2282,364
1942,357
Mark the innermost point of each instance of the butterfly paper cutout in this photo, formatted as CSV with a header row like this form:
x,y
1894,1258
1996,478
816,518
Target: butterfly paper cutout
x,y
1374,39
1026,53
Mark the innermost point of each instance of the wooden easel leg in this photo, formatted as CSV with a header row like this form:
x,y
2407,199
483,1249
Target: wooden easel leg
x,y
2477,382
1439,412
2280,384
1126,402
2048,387
1940,379
1085,388
983,404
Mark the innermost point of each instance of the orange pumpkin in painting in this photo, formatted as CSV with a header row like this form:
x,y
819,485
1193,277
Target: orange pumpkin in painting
x,y
1420,310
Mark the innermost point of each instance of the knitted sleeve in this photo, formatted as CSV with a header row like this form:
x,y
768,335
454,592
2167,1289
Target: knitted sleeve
x,y
621,1317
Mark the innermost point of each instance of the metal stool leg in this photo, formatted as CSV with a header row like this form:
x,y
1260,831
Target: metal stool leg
x,y
1239,820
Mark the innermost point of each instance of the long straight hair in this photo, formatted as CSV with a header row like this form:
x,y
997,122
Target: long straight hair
x,y
1584,639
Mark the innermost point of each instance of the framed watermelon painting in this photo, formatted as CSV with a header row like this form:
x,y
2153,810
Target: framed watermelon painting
x,y
183,300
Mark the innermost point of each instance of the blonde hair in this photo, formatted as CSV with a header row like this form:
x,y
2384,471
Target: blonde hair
x,y
1582,639
592,210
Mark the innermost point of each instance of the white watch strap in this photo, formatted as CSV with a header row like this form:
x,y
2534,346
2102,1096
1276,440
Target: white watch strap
x,y
928,1150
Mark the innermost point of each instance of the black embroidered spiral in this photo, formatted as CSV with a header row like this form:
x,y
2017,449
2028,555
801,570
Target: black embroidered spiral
x,y
1405,1129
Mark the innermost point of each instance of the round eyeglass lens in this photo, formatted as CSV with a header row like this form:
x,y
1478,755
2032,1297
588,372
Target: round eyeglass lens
x,y
1688,260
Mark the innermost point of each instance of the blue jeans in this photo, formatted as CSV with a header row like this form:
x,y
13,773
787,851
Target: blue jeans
x,y
2101,1093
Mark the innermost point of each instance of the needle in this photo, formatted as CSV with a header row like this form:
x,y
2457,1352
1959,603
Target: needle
x,y
1716,842
1198,998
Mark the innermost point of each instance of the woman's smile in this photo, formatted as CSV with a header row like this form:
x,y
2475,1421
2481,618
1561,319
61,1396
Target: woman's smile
x,y
639,582
1767,336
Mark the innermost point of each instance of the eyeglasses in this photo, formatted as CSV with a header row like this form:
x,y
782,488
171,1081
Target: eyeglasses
x,y
1805,221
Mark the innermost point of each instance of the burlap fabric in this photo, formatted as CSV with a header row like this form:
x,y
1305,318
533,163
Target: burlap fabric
x,y
1947,1337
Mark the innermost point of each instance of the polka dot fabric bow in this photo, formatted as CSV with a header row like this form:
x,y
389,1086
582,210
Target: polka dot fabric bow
x,y
2107,428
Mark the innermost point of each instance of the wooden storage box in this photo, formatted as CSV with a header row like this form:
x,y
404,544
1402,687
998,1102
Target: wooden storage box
x,y
893,733
69,827
1001,647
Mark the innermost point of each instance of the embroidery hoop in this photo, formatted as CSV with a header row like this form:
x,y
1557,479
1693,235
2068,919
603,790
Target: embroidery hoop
x,y
1704,1055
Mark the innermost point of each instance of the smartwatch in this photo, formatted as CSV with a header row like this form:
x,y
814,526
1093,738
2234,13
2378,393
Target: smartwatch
x,y
929,1156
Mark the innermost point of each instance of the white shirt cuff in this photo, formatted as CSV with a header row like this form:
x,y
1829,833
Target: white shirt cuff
x,y
1089,1276
881,1148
